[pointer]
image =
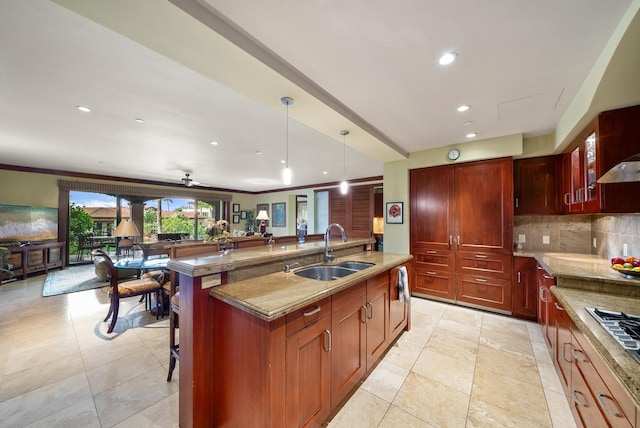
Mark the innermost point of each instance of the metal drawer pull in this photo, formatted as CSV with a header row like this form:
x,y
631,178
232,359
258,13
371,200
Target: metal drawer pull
x,y
432,252
519,278
574,351
481,256
547,276
430,272
481,280
575,399
517,202
606,408
458,241
370,306
564,356
327,335
558,307
363,314
312,312
450,240
566,198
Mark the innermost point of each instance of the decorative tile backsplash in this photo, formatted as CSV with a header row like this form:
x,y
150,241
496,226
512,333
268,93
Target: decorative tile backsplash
x,y
576,233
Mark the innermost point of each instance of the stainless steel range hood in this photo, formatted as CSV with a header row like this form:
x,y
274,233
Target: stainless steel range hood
x,y
626,171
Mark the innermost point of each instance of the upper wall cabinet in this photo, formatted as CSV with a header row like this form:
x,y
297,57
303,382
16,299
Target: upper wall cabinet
x,y
610,138
534,186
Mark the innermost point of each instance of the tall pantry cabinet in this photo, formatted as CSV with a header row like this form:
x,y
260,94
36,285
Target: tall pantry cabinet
x,y
461,232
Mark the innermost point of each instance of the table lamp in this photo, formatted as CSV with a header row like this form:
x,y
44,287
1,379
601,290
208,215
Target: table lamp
x,y
263,217
125,230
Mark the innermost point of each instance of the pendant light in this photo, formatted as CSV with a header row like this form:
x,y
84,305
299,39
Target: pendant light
x,y
286,172
344,186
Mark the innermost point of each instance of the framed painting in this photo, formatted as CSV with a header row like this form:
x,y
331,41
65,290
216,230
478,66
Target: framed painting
x,y
236,218
236,208
21,223
243,215
278,214
394,213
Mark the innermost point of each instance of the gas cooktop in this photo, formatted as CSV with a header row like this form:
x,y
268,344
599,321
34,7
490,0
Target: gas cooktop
x,y
625,329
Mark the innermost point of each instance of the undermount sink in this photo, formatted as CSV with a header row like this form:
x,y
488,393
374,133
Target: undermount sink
x,y
356,265
324,273
331,273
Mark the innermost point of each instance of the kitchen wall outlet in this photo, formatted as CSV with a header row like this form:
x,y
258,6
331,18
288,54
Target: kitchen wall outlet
x,y
595,243
625,250
521,239
545,239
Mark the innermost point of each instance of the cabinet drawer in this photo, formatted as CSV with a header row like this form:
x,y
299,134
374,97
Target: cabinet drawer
x,y
433,283
484,264
484,291
308,315
433,259
613,401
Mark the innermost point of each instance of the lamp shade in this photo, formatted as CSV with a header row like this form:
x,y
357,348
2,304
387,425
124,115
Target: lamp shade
x,y
262,215
126,229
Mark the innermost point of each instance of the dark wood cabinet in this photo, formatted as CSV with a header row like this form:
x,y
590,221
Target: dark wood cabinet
x,y
610,138
562,349
525,288
377,314
349,340
545,315
462,225
308,374
353,211
534,186
35,258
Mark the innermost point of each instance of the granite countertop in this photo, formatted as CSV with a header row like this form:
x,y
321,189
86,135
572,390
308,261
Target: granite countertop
x,y
233,259
272,296
620,361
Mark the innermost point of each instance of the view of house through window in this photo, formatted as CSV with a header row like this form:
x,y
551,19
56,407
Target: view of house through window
x,y
93,219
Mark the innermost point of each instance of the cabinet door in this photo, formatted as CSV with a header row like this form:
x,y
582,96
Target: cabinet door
x,y
377,317
591,172
362,205
434,283
583,405
308,371
484,206
432,209
563,348
348,330
525,288
534,185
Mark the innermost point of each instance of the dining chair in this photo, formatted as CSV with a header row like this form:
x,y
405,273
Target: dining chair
x,y
146,285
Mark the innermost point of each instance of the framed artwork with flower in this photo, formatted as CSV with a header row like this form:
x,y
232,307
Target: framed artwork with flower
x,y
394,213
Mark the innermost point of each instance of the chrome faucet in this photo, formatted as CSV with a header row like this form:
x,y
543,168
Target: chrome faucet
x,y
287,268
327,256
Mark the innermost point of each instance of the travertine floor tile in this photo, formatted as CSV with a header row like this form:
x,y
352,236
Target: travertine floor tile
x,y
82,414
397,418
442,343
121,370
362,410
549,378
432,402
446,369
160,415
49,353
484,415
512,395
559,409
404,353
507,343
507,364
385,381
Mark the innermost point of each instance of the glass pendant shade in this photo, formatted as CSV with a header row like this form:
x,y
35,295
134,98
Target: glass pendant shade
x,y
286,176
344,187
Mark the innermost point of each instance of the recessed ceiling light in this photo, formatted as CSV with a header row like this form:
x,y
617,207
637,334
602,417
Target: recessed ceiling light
x,y
84,109
464,107
214,143
325,172
282,161
258,152
139,120
447,58
472,135
468,122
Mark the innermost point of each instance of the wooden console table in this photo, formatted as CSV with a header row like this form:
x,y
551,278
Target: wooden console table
x,y
35,258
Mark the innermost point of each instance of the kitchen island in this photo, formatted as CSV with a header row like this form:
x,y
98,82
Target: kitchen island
x,y
586,356
261,347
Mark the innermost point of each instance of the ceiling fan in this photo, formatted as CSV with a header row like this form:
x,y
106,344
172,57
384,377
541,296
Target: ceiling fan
x,y
187,180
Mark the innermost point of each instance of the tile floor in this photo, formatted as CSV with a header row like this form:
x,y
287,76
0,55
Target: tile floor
x,y
457,367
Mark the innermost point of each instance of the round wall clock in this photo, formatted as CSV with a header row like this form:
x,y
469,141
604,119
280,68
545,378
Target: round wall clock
x,y
454,154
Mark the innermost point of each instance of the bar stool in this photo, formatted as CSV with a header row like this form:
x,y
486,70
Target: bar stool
x,y
174,348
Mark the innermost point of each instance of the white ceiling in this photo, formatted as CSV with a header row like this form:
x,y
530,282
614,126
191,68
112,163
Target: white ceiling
x,y
367,66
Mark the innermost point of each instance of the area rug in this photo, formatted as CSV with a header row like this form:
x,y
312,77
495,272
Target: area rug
x,y
71,279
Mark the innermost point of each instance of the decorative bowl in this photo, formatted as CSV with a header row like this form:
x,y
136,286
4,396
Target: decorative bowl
x,y
626,271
